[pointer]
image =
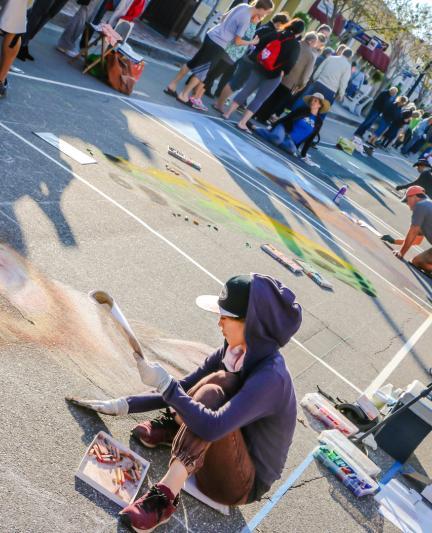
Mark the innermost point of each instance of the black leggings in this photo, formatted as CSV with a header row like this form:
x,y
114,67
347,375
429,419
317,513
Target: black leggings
x,y
275,103
223,69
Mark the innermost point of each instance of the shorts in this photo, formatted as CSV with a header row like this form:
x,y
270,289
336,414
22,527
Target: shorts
x,y
13,16
209,53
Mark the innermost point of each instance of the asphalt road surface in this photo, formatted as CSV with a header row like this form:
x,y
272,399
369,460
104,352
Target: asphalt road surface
x,y
156,233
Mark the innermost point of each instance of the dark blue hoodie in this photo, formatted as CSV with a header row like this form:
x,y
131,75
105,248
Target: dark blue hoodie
x,y
265,406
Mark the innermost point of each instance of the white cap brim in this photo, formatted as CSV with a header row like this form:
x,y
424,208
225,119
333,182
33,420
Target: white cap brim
x,y
209,302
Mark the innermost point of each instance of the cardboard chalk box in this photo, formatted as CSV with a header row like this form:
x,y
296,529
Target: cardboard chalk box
x,y
119,478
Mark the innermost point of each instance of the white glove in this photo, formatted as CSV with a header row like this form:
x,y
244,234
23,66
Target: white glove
x,y
153,374
115,407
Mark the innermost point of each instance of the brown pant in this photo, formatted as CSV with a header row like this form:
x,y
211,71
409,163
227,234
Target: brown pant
x,y
224,470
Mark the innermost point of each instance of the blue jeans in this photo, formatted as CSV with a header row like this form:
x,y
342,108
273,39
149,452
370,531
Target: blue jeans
x,y
410,144
367,123
382,126
279,137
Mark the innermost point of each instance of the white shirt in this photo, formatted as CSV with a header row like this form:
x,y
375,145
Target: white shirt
x,y
335,73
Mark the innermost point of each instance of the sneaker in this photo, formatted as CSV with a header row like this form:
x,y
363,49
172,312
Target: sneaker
x,y
3,88
151,510
158,432
197,103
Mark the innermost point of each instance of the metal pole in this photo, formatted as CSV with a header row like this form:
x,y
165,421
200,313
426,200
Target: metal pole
x,y
419,79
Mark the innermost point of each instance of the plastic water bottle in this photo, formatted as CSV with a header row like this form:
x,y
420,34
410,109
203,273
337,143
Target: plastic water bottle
x,y
340,194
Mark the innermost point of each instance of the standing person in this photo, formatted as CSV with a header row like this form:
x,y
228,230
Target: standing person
x,y
246,64
376,110
325,29
356,81
268,71
327,52
401,117
424,180
298,127
293,82
231,421
407,133
231,29
233,53
13,21
419,133
421,226
330,78
68,42
390,111
41,12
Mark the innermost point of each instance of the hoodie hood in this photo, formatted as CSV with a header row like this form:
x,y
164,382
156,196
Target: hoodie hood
x,y
273,317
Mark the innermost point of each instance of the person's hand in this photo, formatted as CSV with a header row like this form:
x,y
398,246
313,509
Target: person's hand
x,y
388,238
398,254
152,374
255,40
115,407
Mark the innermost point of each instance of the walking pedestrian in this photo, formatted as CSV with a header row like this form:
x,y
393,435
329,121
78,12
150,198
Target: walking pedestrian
x,y
231,421
298,127
13,21
231,29
68,42
376,110
293,82
269,68
41,12
419,133
330,78
391,110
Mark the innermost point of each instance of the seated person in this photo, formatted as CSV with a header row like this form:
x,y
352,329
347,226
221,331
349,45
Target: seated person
x,y
298,127
233,418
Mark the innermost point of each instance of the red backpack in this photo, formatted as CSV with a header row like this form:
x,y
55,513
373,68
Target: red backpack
x,y
270,54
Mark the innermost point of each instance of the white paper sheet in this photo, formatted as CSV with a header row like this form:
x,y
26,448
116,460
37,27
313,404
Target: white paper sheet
x,y
66,148
404,508
191,488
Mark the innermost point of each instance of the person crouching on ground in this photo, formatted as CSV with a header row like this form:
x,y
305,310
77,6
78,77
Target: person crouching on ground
x,y
234,416
298,127
421,226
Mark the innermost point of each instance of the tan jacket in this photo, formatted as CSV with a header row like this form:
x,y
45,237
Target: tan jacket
x,y
335,73
301,72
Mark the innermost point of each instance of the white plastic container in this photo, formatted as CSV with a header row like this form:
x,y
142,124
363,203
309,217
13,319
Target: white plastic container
x,y
322,409
335,440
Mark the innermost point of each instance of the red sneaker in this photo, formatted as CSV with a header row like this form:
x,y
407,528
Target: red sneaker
x,y
160,431
151,510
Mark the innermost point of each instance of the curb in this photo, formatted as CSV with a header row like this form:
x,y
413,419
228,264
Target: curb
x,y
345,120
158,53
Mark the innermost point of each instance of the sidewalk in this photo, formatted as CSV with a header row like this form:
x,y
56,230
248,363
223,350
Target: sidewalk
x,y
156,45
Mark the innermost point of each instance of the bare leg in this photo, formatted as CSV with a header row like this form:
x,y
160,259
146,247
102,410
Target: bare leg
x,y
231,110
247,115
423,261
184,95
181,74
199,91
175,478
8,55
225,94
